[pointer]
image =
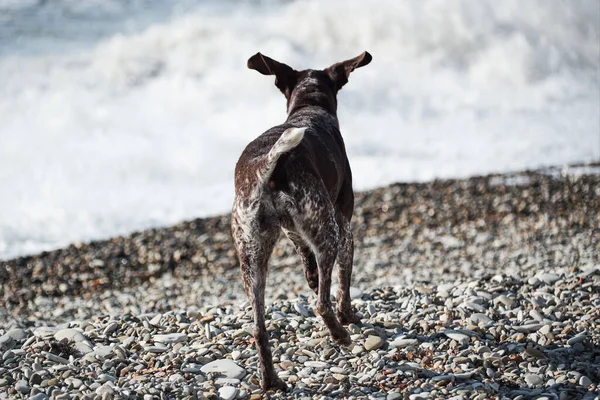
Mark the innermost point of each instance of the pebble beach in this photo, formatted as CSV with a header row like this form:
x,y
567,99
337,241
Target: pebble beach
x,y
478,288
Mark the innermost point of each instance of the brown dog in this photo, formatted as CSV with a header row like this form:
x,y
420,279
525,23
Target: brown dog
x,y
296,177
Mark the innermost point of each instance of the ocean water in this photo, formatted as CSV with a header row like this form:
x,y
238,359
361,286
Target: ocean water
x,y
118,115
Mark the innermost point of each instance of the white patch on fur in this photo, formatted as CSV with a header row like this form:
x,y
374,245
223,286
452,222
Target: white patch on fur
x,y
309,81
289,139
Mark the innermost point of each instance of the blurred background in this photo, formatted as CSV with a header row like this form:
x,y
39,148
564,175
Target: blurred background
x,y
119,115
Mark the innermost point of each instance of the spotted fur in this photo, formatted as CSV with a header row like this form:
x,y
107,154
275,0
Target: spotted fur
x,y
296,177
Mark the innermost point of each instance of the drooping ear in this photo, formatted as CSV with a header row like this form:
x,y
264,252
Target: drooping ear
x,y
285,76
340,72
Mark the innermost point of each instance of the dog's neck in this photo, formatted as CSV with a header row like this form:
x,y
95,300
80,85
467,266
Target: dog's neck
x,y
312,91
314,99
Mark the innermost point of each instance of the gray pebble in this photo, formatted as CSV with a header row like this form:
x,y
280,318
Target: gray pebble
x,y
373,343
576,339
17,334
227,392
22,386
533,379
55,358
300,309
585,381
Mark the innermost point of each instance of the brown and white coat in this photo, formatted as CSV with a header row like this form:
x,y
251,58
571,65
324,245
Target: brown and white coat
x,y
296,177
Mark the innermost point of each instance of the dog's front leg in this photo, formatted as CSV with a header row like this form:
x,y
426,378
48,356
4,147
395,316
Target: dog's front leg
x,y
344,261
324,306
327,248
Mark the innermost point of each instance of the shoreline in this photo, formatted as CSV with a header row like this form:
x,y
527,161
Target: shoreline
x,y
189,247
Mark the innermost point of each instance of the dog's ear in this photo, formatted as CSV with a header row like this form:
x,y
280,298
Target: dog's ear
x,y
340,72
285,76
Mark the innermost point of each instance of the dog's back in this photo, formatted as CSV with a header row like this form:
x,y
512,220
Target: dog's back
x,y
321,153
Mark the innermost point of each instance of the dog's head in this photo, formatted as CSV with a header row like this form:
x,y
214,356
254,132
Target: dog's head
x,y
309,87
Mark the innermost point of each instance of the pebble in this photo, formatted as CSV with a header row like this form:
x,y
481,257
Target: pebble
x,y
104,389
227,368
533,379
106,378
103,351
479,318
110,328
17,334
458,336
506,300
535,314
45,331
300,309
585,381
55,358
316,364
176,378
548,279
546,329
355,293
527,328
6,342
227,393
171,338
35,379
22,386
373,343
82,347
71,335
158,348
576,339
8,354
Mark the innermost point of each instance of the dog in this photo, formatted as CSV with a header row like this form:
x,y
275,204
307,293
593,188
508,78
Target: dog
x,y
296,177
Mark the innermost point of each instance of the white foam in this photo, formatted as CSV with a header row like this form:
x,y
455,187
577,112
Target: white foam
x,y
139,127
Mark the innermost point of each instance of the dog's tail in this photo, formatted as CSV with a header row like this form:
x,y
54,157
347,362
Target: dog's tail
x,y
288,140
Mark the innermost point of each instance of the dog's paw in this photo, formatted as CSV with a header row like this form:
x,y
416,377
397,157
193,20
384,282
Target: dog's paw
x,y
313,281
348,317
343,339
274,384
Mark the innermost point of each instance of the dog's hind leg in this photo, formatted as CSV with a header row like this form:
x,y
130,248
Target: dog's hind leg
x,y
308,259
344,263
254,245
